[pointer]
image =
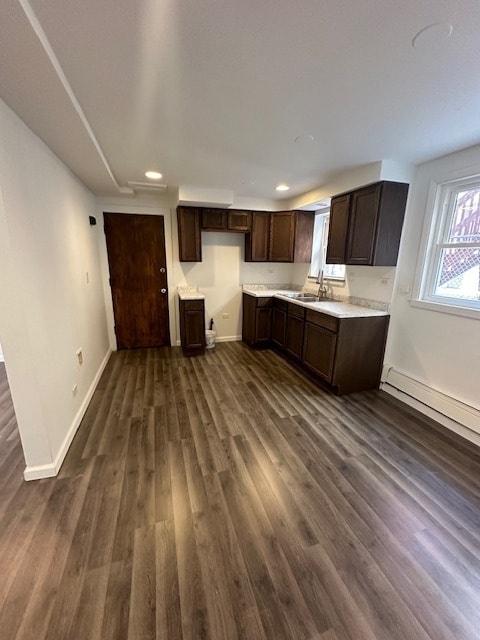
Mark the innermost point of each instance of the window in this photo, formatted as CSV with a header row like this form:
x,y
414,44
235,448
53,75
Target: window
x,y
452,270
319,250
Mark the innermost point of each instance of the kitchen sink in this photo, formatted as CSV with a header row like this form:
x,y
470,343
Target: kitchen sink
x,y
304,297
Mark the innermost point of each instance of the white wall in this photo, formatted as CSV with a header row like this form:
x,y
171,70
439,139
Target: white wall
x,y
2,359
433,357
50,307
220,277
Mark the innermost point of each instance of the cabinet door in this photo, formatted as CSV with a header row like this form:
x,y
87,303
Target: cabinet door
x,y
257,242
214,219
256,321
319,350
294,336
337,232
362,225
249,307
279,326
189,235
239,220
282,236
263,317
192,325
304,222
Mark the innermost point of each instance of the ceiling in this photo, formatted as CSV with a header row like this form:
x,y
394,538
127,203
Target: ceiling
x,y
240,95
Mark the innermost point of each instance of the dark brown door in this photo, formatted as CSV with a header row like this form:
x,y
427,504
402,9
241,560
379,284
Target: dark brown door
x,y
138,279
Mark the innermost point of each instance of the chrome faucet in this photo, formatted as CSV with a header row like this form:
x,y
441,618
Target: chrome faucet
x,y
322,289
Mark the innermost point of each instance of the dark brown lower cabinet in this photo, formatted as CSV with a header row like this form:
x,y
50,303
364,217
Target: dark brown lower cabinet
x,y
294,332
319,350
256,322
192,326
347,353
343,354
279,322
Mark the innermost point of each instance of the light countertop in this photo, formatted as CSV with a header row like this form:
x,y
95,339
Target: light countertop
x,y
190,293
335,308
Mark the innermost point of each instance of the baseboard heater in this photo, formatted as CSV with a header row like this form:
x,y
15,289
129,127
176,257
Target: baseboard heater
x,y
452,413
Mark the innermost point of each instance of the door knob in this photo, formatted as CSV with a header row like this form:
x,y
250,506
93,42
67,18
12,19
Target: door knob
x,y
162,269
163,291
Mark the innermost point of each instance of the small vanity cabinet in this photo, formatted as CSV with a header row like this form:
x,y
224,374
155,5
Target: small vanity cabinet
x,y
192,326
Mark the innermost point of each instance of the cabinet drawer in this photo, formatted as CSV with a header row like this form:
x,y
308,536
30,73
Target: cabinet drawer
x,y
322,320
280,304
192,305
264,302
296,310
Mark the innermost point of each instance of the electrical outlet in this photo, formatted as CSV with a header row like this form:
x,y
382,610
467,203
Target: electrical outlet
x,y
384,280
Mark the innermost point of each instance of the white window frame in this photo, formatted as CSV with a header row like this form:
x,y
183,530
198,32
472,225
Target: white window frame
x,y
443,207
320,238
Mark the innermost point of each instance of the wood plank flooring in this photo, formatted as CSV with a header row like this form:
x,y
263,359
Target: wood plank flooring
x,y
225,497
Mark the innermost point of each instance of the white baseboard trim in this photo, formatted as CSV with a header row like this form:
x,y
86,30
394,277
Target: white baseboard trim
x,y
51,470
448,411
222,339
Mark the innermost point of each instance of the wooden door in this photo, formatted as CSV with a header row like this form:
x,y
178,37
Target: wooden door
x,y
138,279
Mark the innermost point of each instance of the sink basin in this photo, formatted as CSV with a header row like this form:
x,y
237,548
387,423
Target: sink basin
x,y
304,297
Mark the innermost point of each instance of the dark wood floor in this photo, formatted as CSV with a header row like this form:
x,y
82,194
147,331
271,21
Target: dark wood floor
x,y
224,496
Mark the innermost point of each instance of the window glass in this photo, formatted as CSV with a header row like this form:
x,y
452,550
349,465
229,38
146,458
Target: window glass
x,y
452,275
319,250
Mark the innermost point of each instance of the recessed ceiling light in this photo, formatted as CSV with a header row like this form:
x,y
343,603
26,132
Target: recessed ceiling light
x,y
153,175
282,187
305,139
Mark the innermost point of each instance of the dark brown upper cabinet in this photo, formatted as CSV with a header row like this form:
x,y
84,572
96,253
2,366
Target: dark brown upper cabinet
x,y
282,236
214,219
238,220
189,234
258,241
338,226
226,220
366,225
285,236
